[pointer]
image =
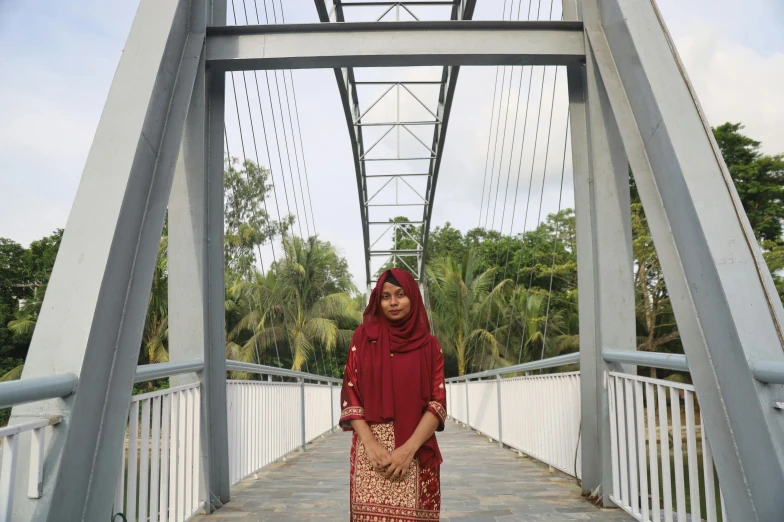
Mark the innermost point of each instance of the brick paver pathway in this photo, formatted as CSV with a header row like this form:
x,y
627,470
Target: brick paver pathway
x,y
479,482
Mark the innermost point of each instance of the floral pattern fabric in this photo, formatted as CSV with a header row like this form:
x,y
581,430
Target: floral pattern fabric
x,y
417,497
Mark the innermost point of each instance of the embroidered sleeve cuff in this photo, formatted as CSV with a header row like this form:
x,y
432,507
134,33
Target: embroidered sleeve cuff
x,y
349,413
439,412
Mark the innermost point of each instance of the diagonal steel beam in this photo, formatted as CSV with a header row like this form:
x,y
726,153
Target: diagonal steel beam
x,y
94,311
722,293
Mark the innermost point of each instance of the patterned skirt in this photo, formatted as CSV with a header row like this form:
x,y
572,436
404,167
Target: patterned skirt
x,y
375,499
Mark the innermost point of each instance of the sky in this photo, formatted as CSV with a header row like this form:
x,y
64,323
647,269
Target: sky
x,y
59,59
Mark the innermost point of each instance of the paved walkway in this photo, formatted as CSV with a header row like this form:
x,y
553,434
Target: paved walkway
x,y
479,482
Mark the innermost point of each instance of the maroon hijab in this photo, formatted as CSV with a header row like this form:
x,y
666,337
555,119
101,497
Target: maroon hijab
x,y
409,333
398,388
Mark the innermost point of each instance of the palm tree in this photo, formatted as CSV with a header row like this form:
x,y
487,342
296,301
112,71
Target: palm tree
x,y
251,329
26,318
156,324
462,308
533,326
303,302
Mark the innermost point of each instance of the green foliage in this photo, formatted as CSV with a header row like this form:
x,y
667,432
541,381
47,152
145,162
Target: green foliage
x,y
759,180
24,273
491,294
405,237
463,301
247,223
300,311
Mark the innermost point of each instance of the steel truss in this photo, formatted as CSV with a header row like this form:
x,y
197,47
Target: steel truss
x,y
630,103
347,85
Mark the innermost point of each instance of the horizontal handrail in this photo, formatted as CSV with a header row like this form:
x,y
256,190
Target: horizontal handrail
x,y
665,361
164,391
15,429
552,362
149,372
768,372
239,366
34,389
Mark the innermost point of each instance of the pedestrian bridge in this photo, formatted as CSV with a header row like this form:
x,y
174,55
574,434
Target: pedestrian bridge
x,y
79,445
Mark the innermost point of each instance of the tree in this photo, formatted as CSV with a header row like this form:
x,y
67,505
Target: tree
x,y
24,274
656,324
463,303
405,237
155,338
446,241
247,223
759,180
303,303
774,257
11,275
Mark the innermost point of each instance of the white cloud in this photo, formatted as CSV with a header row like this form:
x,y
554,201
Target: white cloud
x,y
734,83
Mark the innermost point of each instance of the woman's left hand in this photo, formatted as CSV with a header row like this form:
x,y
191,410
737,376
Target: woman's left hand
x,y
397,463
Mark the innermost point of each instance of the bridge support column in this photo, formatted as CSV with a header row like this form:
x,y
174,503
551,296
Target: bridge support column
x,y
195,266
94,311
604,257
722,294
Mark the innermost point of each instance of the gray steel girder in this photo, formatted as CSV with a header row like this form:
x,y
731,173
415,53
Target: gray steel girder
x,y
93,314
723,296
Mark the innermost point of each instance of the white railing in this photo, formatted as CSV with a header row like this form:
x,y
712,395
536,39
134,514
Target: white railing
x,y
160,478
539,415
648,428
266,419
9,438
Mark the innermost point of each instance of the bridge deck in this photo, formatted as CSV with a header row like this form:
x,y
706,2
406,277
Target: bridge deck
x,y
479,481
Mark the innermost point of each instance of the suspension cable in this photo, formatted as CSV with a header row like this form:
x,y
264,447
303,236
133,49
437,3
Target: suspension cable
x,y
490,130
522,147
283,124
244,157
291,125
497,125
557,231
250,116
509,170
539,216
302,151
487,158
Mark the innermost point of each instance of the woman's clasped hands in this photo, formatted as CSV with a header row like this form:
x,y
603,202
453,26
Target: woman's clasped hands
x,y
392,465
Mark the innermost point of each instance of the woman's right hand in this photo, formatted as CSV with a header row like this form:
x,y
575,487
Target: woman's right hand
x,y
376,453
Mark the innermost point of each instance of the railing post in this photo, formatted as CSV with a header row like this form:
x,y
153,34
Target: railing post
x,y
302,410
466,408
331,408
449,390
498,395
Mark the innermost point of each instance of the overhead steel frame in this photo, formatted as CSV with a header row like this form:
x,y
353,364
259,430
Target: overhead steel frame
x,y
634,102
347,85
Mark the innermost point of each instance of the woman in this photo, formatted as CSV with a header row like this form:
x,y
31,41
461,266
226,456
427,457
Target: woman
x,y
394,400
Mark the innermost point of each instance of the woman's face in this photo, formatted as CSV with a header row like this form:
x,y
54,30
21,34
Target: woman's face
x,y
394,302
